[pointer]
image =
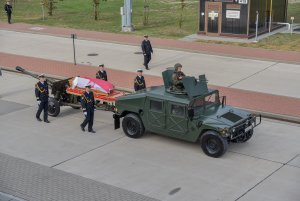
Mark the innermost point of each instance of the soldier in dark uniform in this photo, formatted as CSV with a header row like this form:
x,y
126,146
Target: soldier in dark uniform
x,y
147,50
139,81
8,10
177,77
101,74
42,95
88,107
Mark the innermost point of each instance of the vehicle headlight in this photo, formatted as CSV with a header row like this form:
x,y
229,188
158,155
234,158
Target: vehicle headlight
x,y
224,131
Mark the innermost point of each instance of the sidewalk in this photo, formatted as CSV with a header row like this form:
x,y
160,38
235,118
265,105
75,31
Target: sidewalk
x,y
255,101
34,182
225,50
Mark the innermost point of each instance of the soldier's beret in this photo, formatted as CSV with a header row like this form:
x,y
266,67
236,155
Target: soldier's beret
x,y
146,36
101,65
177,65
88,86
139,70
41,75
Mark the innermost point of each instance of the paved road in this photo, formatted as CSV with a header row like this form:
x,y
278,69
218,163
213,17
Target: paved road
x,y
265,168
255,75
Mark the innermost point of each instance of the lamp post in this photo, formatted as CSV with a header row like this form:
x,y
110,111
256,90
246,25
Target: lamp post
x,y
292,18
271,11
74,36
256,23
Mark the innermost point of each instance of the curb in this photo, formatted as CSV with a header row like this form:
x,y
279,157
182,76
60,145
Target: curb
x,y
268,115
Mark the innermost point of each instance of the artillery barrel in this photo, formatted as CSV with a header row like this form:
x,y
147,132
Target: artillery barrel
x,y
36,76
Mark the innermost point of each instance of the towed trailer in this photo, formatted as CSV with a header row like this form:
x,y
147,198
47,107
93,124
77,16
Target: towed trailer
x,y
63,94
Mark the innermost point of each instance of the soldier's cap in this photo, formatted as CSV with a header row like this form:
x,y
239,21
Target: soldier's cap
x,y
177,65
139,70
88,86
146,36
41,75
101,65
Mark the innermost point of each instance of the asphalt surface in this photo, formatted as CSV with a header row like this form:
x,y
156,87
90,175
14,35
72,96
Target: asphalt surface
x,y
267,167
248,74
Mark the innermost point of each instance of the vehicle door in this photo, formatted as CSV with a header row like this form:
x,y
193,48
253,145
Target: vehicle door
x,y
177,121
156,117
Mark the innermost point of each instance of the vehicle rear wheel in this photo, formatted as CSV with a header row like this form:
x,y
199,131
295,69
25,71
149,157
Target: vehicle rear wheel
x,y
133,126
53,107
213,144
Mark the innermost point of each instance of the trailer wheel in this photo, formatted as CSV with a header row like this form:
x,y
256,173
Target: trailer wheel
x,y
213,144
133,126
53,107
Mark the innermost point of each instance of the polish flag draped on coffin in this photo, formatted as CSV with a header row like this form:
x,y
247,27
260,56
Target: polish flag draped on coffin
x,y
96,84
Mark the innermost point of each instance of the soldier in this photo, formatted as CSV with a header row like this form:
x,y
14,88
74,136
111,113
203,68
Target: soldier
x,y
177,77
88,107
147,50
42,95
101,74
139,81
8,10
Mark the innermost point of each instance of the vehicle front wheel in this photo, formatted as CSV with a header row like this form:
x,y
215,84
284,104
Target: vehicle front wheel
x,y
53,107
133,126
213,144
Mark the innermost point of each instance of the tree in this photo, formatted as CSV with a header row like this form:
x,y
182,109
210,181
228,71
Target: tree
x,y
96,8
146,12
50,5
182,6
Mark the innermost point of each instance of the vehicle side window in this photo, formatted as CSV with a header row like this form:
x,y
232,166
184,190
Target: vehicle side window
x,y
177,110
156,106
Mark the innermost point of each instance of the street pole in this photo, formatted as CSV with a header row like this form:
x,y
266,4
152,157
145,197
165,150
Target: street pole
x,y
73,36
256,23
43,10
292,18
271,10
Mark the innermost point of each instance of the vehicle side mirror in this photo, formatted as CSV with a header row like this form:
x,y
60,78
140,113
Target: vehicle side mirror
x,y
191,113
223,101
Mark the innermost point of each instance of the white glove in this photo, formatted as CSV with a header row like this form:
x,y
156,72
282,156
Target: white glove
x,y
85,113
95,109
38,102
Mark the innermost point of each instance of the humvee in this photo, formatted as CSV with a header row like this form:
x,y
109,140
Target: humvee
x,y
194,114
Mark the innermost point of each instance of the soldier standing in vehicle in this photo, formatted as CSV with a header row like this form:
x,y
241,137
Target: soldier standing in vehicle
x,y
42,95
88,108
139,81
8,10
101,74
177,77
147,51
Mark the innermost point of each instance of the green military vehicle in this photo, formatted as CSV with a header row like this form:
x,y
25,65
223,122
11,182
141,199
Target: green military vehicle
x,y
193,114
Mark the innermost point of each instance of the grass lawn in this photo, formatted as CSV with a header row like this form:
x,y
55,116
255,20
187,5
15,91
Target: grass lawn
x,y
276,42
163,17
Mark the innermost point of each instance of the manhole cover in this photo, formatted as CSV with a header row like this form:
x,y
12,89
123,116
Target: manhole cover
x,y
138,53
92,54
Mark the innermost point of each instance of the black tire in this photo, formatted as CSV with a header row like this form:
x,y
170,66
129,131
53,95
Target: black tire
x,y
53,107
244,138
133,126
213,144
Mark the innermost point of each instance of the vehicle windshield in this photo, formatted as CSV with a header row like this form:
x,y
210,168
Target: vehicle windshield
x,y
205,102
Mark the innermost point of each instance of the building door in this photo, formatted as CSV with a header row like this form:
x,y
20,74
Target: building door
x,y
213,18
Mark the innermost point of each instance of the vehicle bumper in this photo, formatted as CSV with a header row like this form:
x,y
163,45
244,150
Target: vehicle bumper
x,y
245,127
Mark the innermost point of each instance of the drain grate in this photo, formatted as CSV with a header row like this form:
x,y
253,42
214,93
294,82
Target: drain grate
x,y
92,54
